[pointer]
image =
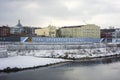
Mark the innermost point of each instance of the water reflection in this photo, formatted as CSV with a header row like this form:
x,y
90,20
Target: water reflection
x,y
107,69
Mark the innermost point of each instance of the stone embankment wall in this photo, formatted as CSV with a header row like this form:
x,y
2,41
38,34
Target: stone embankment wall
x,y
53,46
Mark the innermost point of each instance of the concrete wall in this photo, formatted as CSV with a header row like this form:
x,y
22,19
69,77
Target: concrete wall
x,y
49,46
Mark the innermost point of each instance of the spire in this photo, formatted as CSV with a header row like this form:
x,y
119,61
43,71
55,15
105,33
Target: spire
x,y
19,24
19,21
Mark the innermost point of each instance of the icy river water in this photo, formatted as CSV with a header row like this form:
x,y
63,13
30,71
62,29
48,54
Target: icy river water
x,y
100,70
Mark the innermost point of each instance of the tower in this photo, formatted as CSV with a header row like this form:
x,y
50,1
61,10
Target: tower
x,y
19,24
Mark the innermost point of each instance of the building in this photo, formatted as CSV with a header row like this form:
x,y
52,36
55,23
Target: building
x,y
116,33
107,33
49,31
4,31
29,31
17,30
82,31
116,36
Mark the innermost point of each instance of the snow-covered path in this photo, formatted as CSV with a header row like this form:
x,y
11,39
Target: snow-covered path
x,y
26,61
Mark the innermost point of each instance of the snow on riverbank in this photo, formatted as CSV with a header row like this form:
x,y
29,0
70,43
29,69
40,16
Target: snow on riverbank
x,y
26,61
28,58
73,53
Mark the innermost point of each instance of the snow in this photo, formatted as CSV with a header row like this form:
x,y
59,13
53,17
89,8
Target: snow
x,y
3,52
31,58
26,61
72,53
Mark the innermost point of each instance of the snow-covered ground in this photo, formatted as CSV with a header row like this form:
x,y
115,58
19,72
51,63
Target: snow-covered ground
x,y
26,61
31,58
3,52
73,53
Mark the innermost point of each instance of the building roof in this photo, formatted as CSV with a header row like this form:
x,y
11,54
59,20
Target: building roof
x,y
72,26
107,30
4,27
77,26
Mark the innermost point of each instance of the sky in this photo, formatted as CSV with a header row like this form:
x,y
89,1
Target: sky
x,y
41,13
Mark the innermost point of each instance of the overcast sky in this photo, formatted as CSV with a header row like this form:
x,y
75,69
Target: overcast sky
x,y
60,12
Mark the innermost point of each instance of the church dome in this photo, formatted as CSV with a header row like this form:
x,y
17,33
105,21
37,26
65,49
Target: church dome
x,y
19,24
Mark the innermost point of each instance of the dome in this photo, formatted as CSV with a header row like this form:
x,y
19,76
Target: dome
x,y
19,24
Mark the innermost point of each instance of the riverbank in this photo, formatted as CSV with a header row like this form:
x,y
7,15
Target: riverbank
x,y
17,63
105,70
30,59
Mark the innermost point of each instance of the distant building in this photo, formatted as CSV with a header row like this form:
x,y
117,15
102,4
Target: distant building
x,y
82,31
4,31
49,31
17,30
116,36
29,31
107,33
116,33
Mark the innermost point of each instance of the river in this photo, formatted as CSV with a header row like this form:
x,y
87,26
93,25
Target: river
x,y
96,70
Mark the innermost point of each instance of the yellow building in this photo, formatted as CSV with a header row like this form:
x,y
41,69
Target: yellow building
x,y
49,31
82,31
